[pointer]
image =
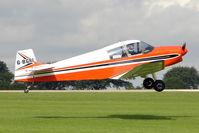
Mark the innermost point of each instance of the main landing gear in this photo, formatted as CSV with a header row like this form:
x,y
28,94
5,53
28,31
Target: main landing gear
x,y
158,85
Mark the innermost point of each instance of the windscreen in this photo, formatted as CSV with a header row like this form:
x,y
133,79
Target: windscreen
x,y
147,48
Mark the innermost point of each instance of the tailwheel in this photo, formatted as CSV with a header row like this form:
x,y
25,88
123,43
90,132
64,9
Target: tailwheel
x,y
26,90
159,85
30,86
148,83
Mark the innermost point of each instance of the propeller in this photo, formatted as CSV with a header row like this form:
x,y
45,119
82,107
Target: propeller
x,y
184,46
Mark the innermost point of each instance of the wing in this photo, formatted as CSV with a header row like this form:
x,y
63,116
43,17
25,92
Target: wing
x,y
144,69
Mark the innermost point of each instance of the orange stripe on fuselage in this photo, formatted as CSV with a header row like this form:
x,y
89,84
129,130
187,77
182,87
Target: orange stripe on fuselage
x,y
102,73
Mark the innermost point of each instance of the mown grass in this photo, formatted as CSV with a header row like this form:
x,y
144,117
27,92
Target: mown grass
x,y
167,112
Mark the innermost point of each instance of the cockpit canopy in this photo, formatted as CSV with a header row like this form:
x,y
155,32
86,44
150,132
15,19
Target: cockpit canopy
x,y
130,49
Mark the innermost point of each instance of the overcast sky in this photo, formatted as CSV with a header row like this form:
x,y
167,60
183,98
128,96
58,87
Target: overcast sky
x,y
59,29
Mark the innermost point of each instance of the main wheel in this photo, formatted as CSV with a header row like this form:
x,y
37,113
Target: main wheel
x,y
148,83
159,85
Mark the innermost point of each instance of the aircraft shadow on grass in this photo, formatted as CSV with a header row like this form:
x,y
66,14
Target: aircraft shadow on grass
x,y
117,116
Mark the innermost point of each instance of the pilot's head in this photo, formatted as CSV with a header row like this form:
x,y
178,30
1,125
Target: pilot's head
x,y
131,47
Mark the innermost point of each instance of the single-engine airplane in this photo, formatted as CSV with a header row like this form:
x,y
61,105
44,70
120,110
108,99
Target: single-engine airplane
x,y
122,60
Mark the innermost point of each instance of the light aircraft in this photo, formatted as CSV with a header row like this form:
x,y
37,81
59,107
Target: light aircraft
x,y
122,60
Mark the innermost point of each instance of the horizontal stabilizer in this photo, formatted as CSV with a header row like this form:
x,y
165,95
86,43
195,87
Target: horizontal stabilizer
x,y
42,68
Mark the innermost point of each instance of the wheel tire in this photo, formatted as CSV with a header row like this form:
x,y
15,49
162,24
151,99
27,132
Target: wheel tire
x,y
148,83
159,85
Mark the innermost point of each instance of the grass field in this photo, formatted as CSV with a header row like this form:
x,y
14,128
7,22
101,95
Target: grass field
x,y
167,112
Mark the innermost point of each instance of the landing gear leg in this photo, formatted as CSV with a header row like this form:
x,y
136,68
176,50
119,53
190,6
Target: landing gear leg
x,y
154,76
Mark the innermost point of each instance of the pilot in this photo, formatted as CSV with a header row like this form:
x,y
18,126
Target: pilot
x,y
131,49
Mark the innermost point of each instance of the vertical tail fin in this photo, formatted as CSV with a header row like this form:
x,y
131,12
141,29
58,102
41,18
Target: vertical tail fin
x,y
26,65
24,58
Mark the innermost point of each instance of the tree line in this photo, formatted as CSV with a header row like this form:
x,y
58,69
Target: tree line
x,y
182,78
6,79
176,78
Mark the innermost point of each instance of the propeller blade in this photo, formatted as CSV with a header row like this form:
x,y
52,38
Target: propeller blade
x,y
184,46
